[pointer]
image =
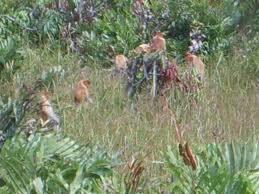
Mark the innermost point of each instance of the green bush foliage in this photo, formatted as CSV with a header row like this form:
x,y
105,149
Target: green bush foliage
x,y
47,164
115,25
226,168
97,31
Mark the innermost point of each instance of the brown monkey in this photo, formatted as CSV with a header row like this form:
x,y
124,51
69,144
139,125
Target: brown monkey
x,y
196,62
121,62
158,42
47,114
81,91
143,48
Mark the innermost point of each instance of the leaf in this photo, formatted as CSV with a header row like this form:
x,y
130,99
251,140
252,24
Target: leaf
x,y
76,184
38,185
58,162
223,168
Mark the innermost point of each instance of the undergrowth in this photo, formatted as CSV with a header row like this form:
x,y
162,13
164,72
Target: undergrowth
x,y
60,45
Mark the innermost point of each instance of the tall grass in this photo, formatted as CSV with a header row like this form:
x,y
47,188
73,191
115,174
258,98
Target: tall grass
x,y
227,109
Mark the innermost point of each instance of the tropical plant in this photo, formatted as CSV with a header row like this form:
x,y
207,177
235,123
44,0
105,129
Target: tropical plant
x,y
44,163
10,6
129,181
222,168
115,32
53,74
212,20
7,51
12,112
51,164
8,43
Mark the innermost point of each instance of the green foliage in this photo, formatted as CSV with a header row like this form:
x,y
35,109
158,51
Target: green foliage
x,y
24,23
11,114
250,14
10,6
50,24
125,182
23,26
44,163
215,21
249,55
226,168
8,43
116,184
50,164
117,29
53,74
7,51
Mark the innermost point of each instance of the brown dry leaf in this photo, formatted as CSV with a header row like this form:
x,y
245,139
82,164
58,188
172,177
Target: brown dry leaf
x,y
133,177
191,156
183,153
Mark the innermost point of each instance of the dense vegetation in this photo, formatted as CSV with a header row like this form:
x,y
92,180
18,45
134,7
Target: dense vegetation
x,y
121,144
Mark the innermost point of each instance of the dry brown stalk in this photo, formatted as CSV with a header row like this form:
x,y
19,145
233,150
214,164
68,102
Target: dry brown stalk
x,y
191,156
184,148
136,168
183,153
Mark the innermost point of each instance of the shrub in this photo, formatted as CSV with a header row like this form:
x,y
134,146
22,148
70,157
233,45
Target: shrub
x,y
115,32
226,168
49,164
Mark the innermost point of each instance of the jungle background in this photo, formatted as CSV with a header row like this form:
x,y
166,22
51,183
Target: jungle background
x,y
119,144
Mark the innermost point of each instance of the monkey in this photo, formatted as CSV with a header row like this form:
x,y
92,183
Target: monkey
x,y
121,63
158,42
81,91
195,62
47,114
143,48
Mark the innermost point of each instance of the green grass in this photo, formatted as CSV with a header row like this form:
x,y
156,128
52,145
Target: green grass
x,y
227,110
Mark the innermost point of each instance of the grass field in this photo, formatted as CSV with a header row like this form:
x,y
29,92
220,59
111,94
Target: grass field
x,y
226,111
119,144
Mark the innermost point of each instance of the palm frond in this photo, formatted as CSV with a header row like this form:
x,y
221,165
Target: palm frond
x,y
222,168
51,164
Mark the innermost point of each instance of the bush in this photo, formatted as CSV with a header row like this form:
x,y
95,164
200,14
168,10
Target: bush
x,y
49,164
226,168
115,32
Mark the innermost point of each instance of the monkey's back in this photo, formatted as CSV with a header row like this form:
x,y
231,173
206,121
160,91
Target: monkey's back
x,y
80,94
